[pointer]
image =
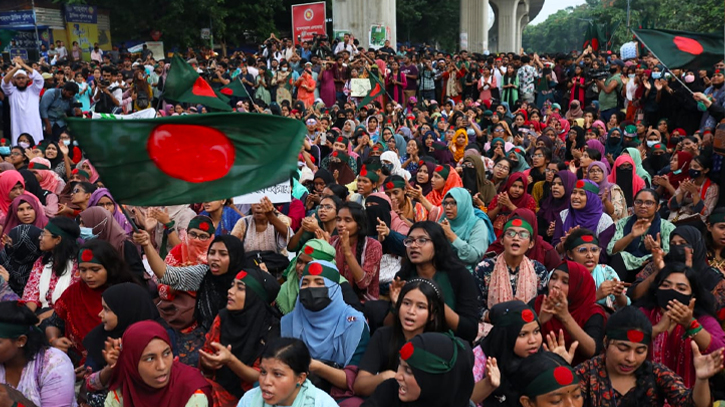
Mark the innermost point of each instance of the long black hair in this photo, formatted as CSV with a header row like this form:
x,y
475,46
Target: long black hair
x,y
67,249
436,314
16,313
110,258
358,215
445,257
705,304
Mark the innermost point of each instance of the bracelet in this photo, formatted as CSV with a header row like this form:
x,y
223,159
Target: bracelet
x,y
169,225
693,329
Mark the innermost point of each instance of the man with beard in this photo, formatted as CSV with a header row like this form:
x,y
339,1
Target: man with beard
x,y
24,97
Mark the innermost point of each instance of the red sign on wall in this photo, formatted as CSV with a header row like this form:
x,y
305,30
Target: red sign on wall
x,y
308,19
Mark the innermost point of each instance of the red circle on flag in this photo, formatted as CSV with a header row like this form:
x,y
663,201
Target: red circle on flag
x,y
580,184
87,255
315,269
563,376
595,44
588,238
241,275
407,351
517,222
204,226
688,45
173,147
527,315
635,336
309,250
227,91
31,166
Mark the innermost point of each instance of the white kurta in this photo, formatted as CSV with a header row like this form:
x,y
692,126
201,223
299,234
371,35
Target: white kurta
x,y
25,108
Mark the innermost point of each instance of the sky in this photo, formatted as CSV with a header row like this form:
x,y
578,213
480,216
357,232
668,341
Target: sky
x,y
552,6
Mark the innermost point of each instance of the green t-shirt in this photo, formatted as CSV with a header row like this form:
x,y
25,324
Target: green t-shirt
x,y
609,100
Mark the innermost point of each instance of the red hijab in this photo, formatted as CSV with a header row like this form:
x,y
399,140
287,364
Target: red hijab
x,y
683,163
79,307
520,202
582,300
184,382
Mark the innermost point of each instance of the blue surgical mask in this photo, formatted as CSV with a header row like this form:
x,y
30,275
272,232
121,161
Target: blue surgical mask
x,y
87,233
656,75
677,172
66,142
631,76
5,150
651,143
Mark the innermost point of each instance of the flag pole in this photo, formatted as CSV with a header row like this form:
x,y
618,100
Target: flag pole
x,y
383,83
663,64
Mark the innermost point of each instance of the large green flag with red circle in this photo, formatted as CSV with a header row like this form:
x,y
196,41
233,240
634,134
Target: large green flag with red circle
x,y
183,84
377,88
681,49
193,158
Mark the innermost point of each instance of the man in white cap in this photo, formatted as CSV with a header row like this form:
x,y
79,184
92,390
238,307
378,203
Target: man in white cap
x,y
24,100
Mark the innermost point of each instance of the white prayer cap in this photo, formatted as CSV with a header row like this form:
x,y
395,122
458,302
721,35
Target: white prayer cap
x,y
20,72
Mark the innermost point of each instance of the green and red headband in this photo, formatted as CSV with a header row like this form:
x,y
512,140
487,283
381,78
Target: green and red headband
x,y
396,183
587,186
425,361
342,140
318,254
716,218
519,223
443,171
56,231
340,155
87,256
81,172
255,285
37,166
371,175
629,335
583,239
322,269
202,223
550,380
659,147
525,315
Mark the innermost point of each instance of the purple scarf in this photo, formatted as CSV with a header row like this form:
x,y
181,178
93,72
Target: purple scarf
x,y
117,214
551,206
605,185
597,145
588,218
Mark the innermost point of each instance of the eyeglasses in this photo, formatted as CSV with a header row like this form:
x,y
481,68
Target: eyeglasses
x,y
16,153
326,207
498,131
77,191
449,204
549,170
593,250
596,170
197,236
503,167
639,202
524,234
419,241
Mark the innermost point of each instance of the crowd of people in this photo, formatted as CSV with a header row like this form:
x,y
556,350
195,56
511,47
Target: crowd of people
x,y
494,230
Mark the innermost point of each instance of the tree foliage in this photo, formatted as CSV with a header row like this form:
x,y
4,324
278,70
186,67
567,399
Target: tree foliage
x,y
564,30
429,21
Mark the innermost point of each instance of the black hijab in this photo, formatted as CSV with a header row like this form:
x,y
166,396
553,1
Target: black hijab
x,y
33,186
581,141
212,294
18,258
131,303
249,329
325,176
376,207
59,158
710,276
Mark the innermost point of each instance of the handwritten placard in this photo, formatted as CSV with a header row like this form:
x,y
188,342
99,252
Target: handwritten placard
x,y
279,193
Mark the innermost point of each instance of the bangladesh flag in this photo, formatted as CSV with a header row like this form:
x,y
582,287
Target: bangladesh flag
x,y
193,158
235,88
591,37
377,88
681,49
5,37
183,84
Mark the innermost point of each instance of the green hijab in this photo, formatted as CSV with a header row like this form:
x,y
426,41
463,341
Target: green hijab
x,y
465,219
637,158
318,249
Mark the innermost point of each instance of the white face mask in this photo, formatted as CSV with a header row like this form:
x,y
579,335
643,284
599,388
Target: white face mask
x,y
689,78
66,142
651,143
23,144
284,69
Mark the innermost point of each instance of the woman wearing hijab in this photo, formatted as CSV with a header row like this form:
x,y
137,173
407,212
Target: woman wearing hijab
x,y
146,374
102,197
571,297
20,254
86,166
422,177
335,333
557,200
458,144
123,305
542,251
575,143
49,180
238,335
12,184
475,179
575,110
585,211
59,161
25,210
194,245
48,199
614,145
339,162
626,178
517,159
98,223
612,196
667,184
442,180
641,172
513,196
469,235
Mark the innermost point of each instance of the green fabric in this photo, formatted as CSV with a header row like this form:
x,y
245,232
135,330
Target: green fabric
x,y
428,362
263,148
630,261
183,84
609,100
290,289
681,49
13,331
444,282
377,88
5,37
637,158
235,88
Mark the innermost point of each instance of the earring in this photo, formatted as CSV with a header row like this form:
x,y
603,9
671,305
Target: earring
x,y
299,384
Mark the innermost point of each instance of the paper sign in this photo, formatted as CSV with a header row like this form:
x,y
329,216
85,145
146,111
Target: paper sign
x,y
359,87
279,193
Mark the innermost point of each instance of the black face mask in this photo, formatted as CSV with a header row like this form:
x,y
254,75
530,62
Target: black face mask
x,y
314,298
677,253
612,70
665,295
659,161
470,178
613,141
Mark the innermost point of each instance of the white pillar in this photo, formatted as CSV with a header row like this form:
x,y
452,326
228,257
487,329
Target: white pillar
x,y
474,22
507,25
356,16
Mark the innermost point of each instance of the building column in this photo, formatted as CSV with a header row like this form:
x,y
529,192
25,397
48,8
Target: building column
x,y
507,25
356,16
474,23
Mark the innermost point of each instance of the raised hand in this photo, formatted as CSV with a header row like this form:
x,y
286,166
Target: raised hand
x,y
640,227
680,313
383,230
706,366
395,287
493,374
558,346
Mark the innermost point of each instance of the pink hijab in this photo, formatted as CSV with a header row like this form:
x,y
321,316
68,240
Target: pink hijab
x,y
11,220
8,180
93,173
49,179
396,223
637,181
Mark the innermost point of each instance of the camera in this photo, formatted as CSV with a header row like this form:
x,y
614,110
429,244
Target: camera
x,y
599,74
105,82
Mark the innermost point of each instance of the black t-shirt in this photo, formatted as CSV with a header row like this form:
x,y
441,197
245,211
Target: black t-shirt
x,y
216,83
375,359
